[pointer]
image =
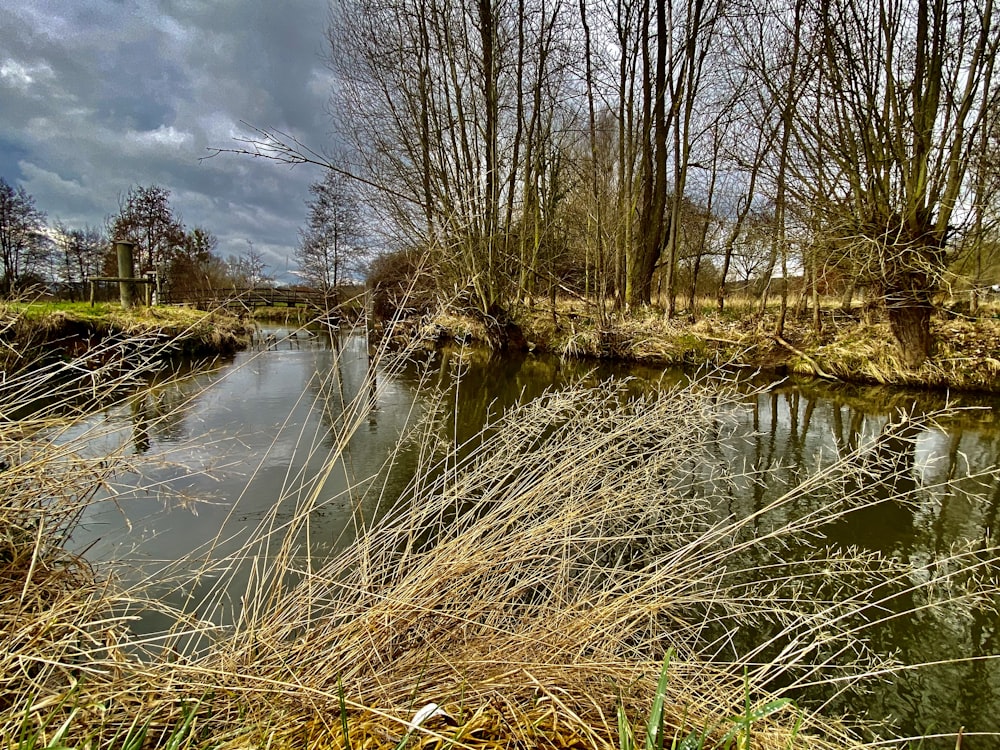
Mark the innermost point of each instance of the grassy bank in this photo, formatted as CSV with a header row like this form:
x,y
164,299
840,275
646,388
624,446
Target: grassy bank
x,y
32,334
967,356
561,581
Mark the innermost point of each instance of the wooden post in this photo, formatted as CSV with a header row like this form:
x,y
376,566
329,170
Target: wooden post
x,y
126,272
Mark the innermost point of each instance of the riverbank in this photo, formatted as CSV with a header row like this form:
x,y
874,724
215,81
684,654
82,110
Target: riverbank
x,y
42,333
531,589
966,357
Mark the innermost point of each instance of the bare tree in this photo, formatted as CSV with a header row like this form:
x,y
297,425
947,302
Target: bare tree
x,y
81,253
979,254
641,258
23,247
194,269
249,269
146,218
897,110
458,108
328,246
482,135
773,53
661,51
598,230
742,211
625,20
697,34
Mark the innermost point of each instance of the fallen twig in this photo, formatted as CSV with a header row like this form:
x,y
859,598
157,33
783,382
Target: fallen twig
x,y
819,371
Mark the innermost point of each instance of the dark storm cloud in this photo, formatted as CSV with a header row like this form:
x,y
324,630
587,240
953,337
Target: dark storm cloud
x,y
98,95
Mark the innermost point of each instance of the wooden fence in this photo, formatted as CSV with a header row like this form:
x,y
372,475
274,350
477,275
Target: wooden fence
x,y
250,299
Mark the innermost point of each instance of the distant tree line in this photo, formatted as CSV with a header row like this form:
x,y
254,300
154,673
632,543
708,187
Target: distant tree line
x,y
41,257
24,246
632,151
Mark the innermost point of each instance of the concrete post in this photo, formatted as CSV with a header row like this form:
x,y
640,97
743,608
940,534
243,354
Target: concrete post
x,y
126,270
148,292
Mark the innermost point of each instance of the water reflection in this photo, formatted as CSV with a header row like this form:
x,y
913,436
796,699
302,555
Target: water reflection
x,y
794,429
798,428
228,449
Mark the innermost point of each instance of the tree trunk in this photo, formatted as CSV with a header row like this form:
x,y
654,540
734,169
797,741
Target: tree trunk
x,y
909,313
639,279
649,244
693,291
817,313
847,300
491,292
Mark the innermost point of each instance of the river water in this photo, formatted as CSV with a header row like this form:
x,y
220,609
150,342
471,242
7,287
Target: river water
x,y
225,450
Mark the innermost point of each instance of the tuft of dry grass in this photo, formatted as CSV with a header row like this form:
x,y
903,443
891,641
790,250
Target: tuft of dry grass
x,y
643,336
966,356
64,623
532,586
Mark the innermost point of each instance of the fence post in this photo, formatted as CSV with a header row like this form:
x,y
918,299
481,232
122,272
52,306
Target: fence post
x,y
126,270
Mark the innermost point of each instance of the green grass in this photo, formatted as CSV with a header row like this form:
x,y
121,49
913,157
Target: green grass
x,y
34,334
80,310
104,311
738,736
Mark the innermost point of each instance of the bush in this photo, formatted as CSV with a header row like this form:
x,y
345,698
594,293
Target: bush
x,y
400,283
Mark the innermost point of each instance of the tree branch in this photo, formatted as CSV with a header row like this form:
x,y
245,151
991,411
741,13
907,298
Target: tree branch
x,y
284,148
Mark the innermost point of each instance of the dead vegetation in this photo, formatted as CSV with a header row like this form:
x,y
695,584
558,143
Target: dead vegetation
x,y
34,334
849,348
530,583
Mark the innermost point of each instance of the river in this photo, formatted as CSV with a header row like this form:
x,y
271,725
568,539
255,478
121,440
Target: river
x,y
224,451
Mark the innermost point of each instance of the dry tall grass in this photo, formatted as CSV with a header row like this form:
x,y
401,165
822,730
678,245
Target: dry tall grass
x,y
62,621
529,582
852,346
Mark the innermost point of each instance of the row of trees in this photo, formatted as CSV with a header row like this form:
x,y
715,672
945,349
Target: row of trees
x,y
620,145
23,244
34,253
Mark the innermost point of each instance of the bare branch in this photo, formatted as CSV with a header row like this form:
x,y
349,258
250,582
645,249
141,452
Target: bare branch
x,y
283,148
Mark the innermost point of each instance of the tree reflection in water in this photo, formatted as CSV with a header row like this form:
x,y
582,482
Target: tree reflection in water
x,y
794,429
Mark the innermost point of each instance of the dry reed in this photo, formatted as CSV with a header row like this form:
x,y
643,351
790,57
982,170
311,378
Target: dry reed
x,y
63,623
849,348
530,582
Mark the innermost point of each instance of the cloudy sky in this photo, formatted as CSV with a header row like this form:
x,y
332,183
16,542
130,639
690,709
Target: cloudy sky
x,y
98,95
